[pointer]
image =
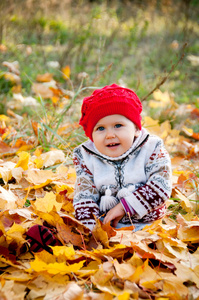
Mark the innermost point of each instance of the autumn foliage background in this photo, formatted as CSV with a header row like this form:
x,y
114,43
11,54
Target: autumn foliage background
x,y
52,54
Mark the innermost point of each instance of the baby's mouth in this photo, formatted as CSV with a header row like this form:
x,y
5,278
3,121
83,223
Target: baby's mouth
x,y
112,145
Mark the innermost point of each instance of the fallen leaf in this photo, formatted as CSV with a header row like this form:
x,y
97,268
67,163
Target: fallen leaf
x,y
44,77
100,234
15,233
54,268
41,90
47,204
67,236
23,161
12,66
184,201
6,170
66,72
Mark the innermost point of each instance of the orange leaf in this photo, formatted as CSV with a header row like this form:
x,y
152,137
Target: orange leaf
x,y
3,48
16,89
131,228
19,143
35,127
44,77
195,112
190,132
5,149
66,72
56,92
66,234
110,231
195,135
55,99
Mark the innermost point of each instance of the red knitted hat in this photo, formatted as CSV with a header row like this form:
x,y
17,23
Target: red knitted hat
x,y
110,100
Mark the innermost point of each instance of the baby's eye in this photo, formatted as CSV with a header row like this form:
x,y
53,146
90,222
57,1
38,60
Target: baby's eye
x,y
100,128
118,125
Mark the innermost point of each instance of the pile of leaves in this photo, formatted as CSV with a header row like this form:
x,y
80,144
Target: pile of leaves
x,y
159,262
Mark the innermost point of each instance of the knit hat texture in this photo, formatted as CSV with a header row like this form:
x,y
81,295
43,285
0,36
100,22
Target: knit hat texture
x,y
110,100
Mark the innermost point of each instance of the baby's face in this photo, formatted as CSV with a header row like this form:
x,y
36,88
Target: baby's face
x,y
113,135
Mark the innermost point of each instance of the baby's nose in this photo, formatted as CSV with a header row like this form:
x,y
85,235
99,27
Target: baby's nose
x,y
110,134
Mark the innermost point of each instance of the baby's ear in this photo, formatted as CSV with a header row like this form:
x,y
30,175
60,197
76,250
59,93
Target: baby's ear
x,y
137,131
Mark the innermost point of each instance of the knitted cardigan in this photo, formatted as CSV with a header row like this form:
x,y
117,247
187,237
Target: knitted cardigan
x,y
140,179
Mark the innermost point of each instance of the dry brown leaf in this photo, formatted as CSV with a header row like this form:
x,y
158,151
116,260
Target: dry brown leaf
x,y
67,236
41,90
44,77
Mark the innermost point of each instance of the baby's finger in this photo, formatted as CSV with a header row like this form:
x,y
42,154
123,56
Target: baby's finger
x,y
107,219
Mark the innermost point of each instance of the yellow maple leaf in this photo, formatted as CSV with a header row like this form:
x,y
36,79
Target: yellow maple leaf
x,y
67,252
51,218
15,233
66,72
54,268
47,203
23,160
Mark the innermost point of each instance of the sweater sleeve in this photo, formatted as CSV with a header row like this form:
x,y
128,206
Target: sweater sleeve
x,y
158,186
86,194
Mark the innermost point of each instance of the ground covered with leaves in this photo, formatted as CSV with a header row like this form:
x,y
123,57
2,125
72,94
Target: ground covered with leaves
x,y
159,262
41,90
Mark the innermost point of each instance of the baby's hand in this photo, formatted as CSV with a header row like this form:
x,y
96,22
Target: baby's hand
x,y
114,214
